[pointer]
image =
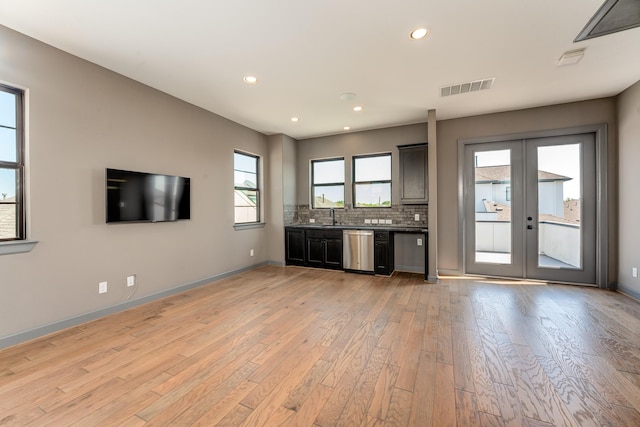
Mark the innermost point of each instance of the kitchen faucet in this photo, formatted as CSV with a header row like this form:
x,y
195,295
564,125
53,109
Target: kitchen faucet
x,y
332,213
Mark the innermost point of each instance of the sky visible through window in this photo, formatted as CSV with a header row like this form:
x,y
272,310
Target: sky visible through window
x,y
328,172
7,143
373,168
246,170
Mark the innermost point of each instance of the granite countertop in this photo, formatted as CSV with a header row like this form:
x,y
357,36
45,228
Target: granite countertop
x,y
385,227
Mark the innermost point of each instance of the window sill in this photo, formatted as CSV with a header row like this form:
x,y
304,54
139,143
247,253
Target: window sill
x,y
248,226
17,246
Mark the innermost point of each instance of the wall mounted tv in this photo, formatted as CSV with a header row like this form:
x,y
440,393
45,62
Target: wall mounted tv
x,y
146,197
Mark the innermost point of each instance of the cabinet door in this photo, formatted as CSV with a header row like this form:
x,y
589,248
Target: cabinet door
x,y
333,253
414,177
294,246
315,252
381,257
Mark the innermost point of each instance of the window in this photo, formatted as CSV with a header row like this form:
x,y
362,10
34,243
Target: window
x,y
12,223
372,181
327,183
246,188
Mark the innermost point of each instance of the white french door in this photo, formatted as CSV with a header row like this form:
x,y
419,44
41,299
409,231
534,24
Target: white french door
x,y
530,208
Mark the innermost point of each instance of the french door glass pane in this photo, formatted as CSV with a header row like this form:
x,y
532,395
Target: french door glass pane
x,y
559,206
493,206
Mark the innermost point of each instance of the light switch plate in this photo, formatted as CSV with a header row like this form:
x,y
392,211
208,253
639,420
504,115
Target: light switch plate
x,y
102,287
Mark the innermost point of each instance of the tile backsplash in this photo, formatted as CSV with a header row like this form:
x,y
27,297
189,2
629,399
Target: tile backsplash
x,y
398,214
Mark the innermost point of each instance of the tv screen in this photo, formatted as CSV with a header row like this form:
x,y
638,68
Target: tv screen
x,y
146,197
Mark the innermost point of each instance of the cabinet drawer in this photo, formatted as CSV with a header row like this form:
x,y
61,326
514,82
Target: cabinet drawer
x,y
381,236
324,234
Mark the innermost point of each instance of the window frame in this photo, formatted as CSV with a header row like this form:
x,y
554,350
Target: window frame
x,y
18,166
328,184
354,182
240,188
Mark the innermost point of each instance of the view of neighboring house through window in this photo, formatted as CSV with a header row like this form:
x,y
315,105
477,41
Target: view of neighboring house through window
x,y
246,188
11,165
372,181
327,183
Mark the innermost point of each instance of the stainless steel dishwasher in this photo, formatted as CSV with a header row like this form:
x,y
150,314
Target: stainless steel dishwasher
x,y
357,250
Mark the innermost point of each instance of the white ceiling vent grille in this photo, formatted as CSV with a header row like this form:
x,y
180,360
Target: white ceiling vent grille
x,y
473,86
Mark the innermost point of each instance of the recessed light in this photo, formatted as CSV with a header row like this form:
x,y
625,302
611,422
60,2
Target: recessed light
x,y
294,119
419,33
250,80
358,108
346,128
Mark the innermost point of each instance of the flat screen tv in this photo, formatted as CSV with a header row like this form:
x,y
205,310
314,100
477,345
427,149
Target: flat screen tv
x,y
146,197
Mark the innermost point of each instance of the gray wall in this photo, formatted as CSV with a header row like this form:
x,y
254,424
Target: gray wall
x,y
280,192
629,174
535,119
82,119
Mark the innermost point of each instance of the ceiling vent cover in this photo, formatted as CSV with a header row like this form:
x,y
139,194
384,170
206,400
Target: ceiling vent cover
x,y
473,86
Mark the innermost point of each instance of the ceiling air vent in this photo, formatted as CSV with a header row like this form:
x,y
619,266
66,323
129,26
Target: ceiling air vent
x,y
473,86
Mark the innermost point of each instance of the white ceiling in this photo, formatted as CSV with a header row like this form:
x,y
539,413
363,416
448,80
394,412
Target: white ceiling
x,y
306,53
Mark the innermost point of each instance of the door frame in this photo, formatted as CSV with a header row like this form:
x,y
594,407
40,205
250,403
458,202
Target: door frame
x,y
602,231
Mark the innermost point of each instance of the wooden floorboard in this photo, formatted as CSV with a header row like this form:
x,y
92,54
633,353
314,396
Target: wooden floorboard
x,y
306,347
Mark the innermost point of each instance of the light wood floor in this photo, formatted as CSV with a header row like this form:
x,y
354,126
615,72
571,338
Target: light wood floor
x,y
302,347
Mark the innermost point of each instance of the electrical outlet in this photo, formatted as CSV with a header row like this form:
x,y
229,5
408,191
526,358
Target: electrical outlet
x,y
251,252
374,221
389,221
634,272
131,280
419,242
417,217
367,221
312,220
102,287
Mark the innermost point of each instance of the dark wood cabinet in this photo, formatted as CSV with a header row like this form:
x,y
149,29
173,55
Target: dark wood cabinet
x,y
414,176
333,253
383,252
313,247
294,246
324,248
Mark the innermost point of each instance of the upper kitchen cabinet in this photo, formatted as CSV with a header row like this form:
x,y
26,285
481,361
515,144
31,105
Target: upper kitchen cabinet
x,y
414,174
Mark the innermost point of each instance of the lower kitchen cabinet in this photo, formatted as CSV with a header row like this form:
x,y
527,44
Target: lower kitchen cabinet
x,y
324,248
294,246
383,252
313,247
